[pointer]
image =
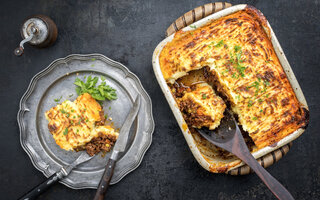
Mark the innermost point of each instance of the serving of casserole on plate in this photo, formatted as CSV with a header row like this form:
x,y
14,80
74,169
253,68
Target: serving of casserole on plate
x,y
81,125
231,59
55,122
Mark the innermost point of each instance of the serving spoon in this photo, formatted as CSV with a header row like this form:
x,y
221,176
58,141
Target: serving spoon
x,y
228,136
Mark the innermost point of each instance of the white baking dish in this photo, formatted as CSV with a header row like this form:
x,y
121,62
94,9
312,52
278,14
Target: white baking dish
x,y
210,162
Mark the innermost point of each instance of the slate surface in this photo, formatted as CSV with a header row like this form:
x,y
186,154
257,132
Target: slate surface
x,y
128,31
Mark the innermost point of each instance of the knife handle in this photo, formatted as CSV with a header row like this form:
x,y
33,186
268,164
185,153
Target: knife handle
x,y
105,180
35,192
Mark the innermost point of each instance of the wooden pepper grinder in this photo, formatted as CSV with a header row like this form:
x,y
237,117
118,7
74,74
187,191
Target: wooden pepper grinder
x,y
37,30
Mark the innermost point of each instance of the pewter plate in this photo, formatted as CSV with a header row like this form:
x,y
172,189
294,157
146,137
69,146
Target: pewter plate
x,y
57,81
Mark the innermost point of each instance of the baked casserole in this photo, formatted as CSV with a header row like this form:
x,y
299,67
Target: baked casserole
x,y
234,55
80,125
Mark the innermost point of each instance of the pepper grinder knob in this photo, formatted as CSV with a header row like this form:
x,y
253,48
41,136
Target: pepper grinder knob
x,y
39,31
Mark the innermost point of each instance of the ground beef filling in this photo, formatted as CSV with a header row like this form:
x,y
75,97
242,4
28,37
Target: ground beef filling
x,y
101,143
178,89
190,113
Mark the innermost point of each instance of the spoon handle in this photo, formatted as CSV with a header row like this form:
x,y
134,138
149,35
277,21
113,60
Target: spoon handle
x,y
273,184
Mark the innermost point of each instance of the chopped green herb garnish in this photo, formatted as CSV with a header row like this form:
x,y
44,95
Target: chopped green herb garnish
x,y
87,120
102,78
238,55
68,115
250,102
238,97
70,95
241,69
220,43
260,100
261,110
204,96
264,89
193,26
58,99
74,117
109,107
227,70
100,92
63,111
256,85
267,83
235,76
237,48
105,116
232,58
65,132
72,110
254,118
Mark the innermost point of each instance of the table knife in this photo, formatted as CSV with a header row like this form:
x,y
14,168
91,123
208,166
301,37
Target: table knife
x,y
63,172
119,147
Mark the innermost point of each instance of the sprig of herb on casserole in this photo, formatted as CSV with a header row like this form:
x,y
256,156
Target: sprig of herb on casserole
x,y
100,92
220,43
235,59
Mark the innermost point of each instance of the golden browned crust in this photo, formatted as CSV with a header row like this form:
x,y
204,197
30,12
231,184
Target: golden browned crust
x,y
241,58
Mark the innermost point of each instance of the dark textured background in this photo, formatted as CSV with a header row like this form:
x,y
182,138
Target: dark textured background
x,y
128,32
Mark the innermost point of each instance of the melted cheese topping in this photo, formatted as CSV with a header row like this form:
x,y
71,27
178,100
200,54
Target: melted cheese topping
x,y
245,67
73,124
202,107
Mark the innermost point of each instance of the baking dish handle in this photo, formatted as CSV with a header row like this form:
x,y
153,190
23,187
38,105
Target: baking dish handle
x,y
195,15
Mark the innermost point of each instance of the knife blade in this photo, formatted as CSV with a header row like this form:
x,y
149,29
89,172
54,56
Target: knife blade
x,y
122,140
63,172
119,147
